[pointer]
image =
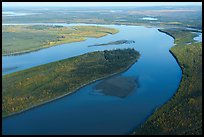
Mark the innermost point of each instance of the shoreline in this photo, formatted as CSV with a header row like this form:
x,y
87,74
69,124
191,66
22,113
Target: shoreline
x,y
72,92
56,44
172,51
174,99
172,47
108,33
34,50
167,34
154,110
158,107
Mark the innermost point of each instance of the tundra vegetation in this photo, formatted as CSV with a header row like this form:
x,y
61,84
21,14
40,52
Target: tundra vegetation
x,y
20,39
167,16
183,113
25,89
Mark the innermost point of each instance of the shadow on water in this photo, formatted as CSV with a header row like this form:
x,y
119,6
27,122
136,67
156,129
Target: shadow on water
x,y
118,86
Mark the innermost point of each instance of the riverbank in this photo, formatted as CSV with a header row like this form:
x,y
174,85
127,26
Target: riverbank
x,y
160,30
72,92
182,114
19,39
37,49
81,75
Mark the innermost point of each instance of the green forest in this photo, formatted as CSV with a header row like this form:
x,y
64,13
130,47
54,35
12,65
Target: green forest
x,y
183,113
25,89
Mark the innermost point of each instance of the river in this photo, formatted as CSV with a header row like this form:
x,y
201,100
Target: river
x,y
85,112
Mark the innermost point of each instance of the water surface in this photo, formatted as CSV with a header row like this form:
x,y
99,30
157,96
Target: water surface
x,y
86,112
11,13
149,18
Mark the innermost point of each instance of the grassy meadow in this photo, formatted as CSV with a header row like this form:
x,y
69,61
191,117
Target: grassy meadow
x,y
19,39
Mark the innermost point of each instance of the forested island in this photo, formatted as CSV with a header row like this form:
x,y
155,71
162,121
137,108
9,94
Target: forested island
x,y
18,39
183,113
25,89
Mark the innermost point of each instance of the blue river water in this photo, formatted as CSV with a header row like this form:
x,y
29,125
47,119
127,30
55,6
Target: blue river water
x,y
85,112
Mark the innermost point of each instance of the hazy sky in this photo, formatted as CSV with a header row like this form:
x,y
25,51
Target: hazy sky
x,y
18,4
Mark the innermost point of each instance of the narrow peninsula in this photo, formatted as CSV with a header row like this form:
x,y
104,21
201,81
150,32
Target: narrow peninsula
x,y
118,42
28,88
